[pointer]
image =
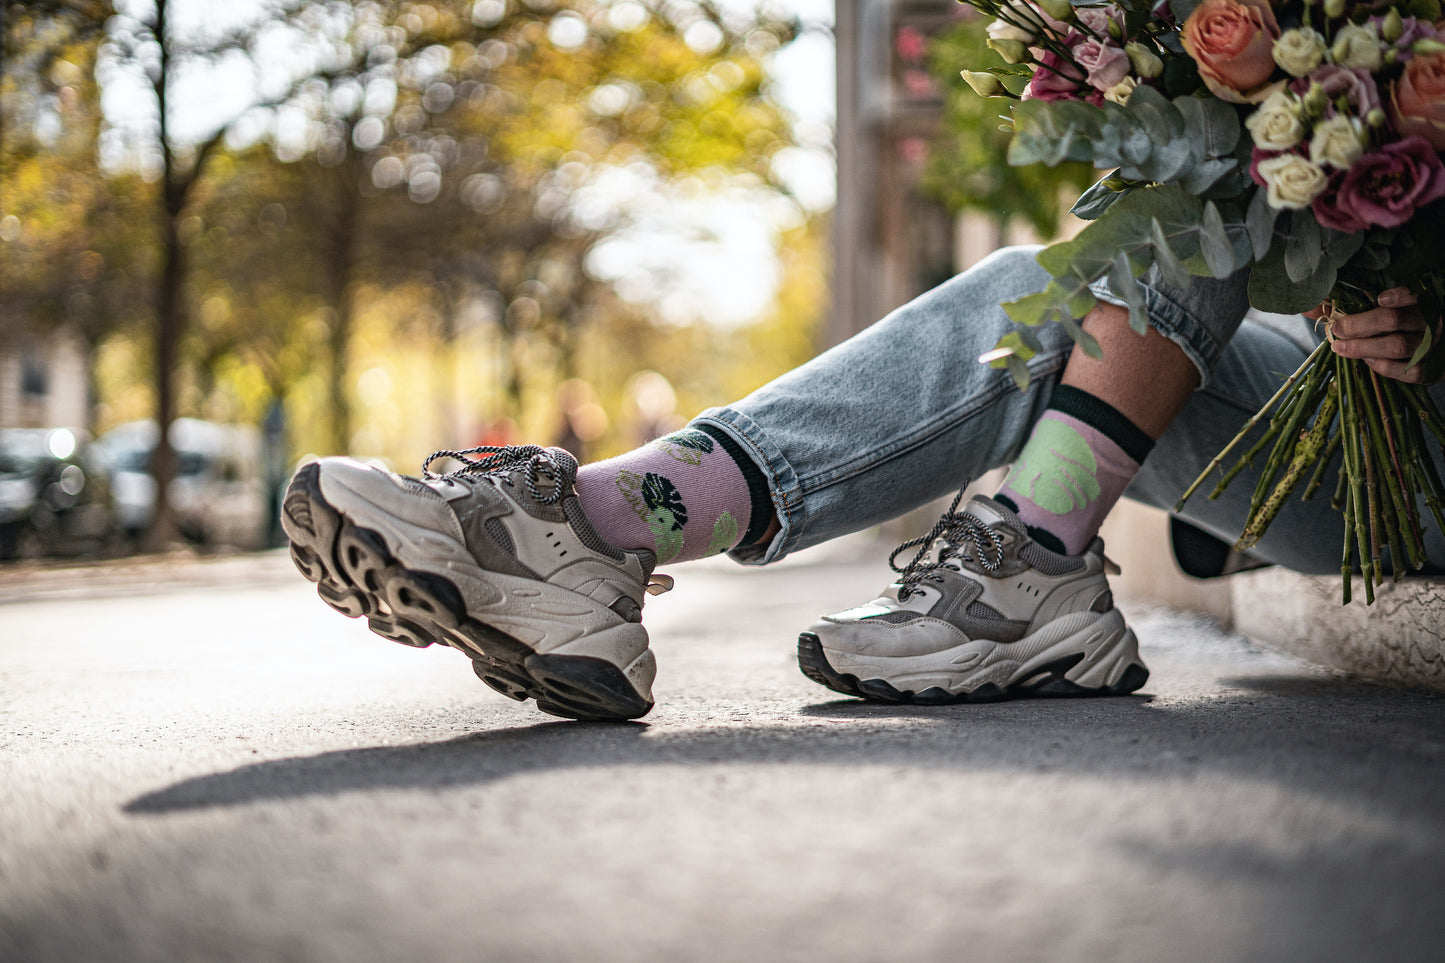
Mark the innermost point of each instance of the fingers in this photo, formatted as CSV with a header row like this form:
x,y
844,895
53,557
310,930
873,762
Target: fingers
x,y
1384,347
1397,298
1398,370
1377,321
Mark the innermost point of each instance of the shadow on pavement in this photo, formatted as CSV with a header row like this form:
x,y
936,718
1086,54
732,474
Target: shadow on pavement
x,y
1337,739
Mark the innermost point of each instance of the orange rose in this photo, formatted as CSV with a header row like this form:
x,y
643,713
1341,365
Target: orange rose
x,y
1232,41
1417,102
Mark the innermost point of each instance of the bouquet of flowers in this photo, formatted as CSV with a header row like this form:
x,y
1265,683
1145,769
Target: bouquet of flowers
x,y
1301,139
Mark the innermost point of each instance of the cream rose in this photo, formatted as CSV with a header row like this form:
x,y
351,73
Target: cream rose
x,y
1291,181
1299,51
1357,45
1276,125
1338,142
1119,93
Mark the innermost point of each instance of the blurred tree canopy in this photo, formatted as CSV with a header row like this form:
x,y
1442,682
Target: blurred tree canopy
x,y
391,235
968,169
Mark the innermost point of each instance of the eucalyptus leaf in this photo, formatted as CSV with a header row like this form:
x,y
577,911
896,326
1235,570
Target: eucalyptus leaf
x,y
1211,125
1304,247
1031,308
1260,221
1098,198
1272,289
1082,338
1121,282
1171,270
1160,119
1167,161
1018,371
1205,174
1080,304
1340,246
1214,242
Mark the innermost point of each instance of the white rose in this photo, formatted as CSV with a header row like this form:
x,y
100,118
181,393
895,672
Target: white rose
x,y
1119,93
1357,45
1299,51
1338,141
1291,181
1276,125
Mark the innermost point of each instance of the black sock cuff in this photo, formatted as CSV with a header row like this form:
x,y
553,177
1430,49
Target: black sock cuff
x,y
1104,418
1043,536
760,513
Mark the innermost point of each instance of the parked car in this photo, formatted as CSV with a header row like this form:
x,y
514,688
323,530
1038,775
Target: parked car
x,y
219,493
54,496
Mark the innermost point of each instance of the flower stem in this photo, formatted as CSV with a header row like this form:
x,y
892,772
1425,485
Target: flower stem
x,y
1249,425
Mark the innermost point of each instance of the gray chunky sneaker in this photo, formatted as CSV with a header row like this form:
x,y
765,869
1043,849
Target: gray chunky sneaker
x,y
991,615
496,559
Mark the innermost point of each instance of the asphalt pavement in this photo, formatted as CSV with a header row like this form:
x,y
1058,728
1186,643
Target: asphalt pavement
x,y
201,761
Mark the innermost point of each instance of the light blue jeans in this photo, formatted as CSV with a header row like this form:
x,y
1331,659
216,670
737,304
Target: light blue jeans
x,y
903,413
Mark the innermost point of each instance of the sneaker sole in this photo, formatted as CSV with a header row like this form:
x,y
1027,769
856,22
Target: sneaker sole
x,y
1048,681
357,575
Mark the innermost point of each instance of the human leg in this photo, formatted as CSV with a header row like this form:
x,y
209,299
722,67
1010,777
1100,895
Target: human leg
x,y
1008,607
502,561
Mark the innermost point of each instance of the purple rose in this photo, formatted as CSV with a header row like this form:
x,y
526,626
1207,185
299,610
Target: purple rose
x,y
1411,30
1104,65
1383,188
1354,83
1051,80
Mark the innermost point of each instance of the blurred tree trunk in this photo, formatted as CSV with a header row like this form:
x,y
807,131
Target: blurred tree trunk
x,y
341,262
170,312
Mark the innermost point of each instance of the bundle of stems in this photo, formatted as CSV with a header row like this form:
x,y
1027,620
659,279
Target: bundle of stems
x,y
1336,408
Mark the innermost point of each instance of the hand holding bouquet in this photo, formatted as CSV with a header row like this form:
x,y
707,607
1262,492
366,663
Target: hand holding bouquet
x,y
1301,140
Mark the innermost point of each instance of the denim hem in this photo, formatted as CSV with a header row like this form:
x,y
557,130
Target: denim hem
x,y
1173,321
787,492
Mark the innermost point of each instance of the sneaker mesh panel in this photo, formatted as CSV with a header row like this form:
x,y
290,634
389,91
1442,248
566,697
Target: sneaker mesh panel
x,y
586,534
1050,563
981,610
501,536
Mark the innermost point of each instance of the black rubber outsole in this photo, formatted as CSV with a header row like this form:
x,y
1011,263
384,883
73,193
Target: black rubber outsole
x,y
356,574
815,666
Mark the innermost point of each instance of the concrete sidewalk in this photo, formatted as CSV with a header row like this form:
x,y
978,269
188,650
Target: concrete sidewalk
x,y
223,769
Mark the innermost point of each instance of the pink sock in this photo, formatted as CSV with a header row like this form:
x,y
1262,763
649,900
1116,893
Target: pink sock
x,y
1078,460
681,496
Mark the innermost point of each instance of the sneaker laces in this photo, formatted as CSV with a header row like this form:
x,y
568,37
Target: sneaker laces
x,y
534,461
963,536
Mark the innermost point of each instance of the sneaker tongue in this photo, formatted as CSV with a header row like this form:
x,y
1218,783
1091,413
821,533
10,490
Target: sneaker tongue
x,y
990,512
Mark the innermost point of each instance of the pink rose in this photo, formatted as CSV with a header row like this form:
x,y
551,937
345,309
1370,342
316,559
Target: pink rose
x,y
1383,188
1051,80
1098,19
1417,102
1104,65
1355,84
1232,42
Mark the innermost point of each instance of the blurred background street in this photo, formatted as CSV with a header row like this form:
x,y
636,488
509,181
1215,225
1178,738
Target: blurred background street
x,y
210,764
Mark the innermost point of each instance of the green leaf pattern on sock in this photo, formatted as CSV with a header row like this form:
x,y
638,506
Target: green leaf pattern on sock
x,y
687,446
724,534
1056,470
659,504
666,534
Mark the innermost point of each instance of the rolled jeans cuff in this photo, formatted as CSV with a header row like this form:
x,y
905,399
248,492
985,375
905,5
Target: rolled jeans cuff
x,y
783,484
1200,318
